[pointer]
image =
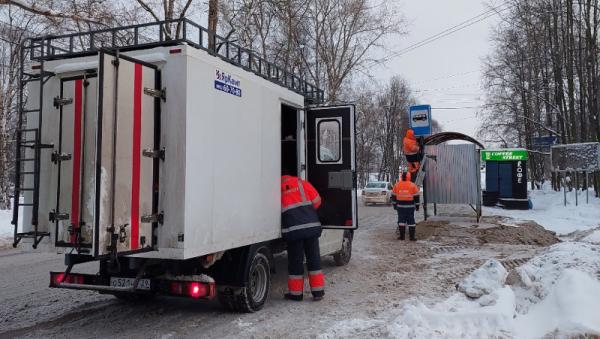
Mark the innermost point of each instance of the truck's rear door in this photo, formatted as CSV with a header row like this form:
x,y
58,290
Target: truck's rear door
x,y
127,155
330,163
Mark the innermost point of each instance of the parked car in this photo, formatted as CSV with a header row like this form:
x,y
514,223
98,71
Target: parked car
x,y
377,192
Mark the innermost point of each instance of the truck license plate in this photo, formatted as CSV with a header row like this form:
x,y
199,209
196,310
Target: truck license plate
x,y
143,284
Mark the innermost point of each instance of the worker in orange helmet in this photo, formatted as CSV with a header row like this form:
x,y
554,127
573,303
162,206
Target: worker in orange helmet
x,y
412,151
405,197
301,229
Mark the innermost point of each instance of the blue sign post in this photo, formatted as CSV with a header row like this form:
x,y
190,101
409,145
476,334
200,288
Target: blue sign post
x,y
419,118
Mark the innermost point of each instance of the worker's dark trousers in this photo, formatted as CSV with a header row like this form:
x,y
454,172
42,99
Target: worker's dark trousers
x,y
406,217
309,247
418,157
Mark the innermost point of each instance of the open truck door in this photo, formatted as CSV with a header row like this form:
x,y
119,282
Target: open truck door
x,y
331,163
127,155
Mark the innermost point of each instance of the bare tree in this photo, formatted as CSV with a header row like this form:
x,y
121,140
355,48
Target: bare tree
x,y
543,78
326,41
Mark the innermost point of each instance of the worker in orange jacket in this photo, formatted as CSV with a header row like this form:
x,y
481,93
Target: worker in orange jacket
x,y
301,229
412,151
405,197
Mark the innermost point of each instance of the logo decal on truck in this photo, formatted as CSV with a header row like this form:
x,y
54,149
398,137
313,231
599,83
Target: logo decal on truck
x,y
227,83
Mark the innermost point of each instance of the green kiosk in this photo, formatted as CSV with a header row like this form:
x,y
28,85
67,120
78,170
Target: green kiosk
x,y
506,178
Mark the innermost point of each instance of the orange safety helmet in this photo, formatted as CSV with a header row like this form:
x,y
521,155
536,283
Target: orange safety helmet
x,y
410,133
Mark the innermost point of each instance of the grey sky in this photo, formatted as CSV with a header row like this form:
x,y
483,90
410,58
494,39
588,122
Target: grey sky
x,y
446,72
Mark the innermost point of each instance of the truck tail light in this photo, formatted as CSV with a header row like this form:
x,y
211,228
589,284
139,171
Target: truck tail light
x,y
175,51
192,289
197,290
56,278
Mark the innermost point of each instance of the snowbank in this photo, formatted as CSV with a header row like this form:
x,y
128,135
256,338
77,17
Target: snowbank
x,y
593,238
550,212
6,228
570,307
457,317
557,295
484,280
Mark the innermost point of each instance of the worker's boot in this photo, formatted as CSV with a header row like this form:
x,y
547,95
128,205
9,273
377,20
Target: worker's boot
x,y
295,287
401,232
412,232
316,279
293,297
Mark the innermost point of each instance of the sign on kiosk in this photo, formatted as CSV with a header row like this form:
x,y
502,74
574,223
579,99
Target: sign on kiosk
x,y
419,119
504,155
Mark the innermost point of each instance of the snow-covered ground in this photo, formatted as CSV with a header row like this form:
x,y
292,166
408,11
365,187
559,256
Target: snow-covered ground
x,y
555,293
550,212
6,228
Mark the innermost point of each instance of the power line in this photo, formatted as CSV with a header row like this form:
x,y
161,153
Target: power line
x,y
448,76
455,108
467,23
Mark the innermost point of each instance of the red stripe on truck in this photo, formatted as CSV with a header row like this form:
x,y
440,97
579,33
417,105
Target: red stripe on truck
x,y
75,187
136,155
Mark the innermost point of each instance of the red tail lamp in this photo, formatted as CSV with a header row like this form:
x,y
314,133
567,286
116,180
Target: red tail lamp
x,y
197,290
190,289
56,278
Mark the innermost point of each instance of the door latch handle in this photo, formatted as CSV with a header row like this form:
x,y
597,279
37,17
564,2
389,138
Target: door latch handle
x,y
56,216
151,218
154,153
58,157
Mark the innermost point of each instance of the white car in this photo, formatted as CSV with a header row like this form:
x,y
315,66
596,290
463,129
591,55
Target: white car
x,y
377,192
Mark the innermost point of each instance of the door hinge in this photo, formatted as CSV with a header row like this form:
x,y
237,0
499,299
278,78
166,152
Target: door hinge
x,y
57,157
151,218
58,101
55,216
157,93
154,153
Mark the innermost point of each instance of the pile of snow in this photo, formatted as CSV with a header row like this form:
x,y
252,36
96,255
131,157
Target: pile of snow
x,y
458,317
6,228
593,238
539,275
570,308
556,294
484,280
550,212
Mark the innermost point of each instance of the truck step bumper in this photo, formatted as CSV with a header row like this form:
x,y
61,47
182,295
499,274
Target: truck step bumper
x,y
187,288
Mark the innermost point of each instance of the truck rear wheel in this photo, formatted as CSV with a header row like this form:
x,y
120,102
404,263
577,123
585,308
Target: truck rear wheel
x,y
342,257
253,296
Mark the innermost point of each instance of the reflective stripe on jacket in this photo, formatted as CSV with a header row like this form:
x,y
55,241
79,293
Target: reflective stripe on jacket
x,y
299,203
404,192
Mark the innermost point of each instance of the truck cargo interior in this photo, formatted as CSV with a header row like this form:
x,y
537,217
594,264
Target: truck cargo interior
x,y
289,138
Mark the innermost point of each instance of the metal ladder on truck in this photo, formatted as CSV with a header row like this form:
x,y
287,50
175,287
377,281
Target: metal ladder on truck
x,y
29,145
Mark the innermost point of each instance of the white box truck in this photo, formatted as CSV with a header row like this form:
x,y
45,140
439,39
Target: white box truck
x,y
161,159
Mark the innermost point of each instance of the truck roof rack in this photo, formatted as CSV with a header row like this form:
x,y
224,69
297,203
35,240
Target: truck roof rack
x,y
168,33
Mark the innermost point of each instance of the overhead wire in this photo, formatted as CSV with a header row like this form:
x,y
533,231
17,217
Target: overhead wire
x,y
458,27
